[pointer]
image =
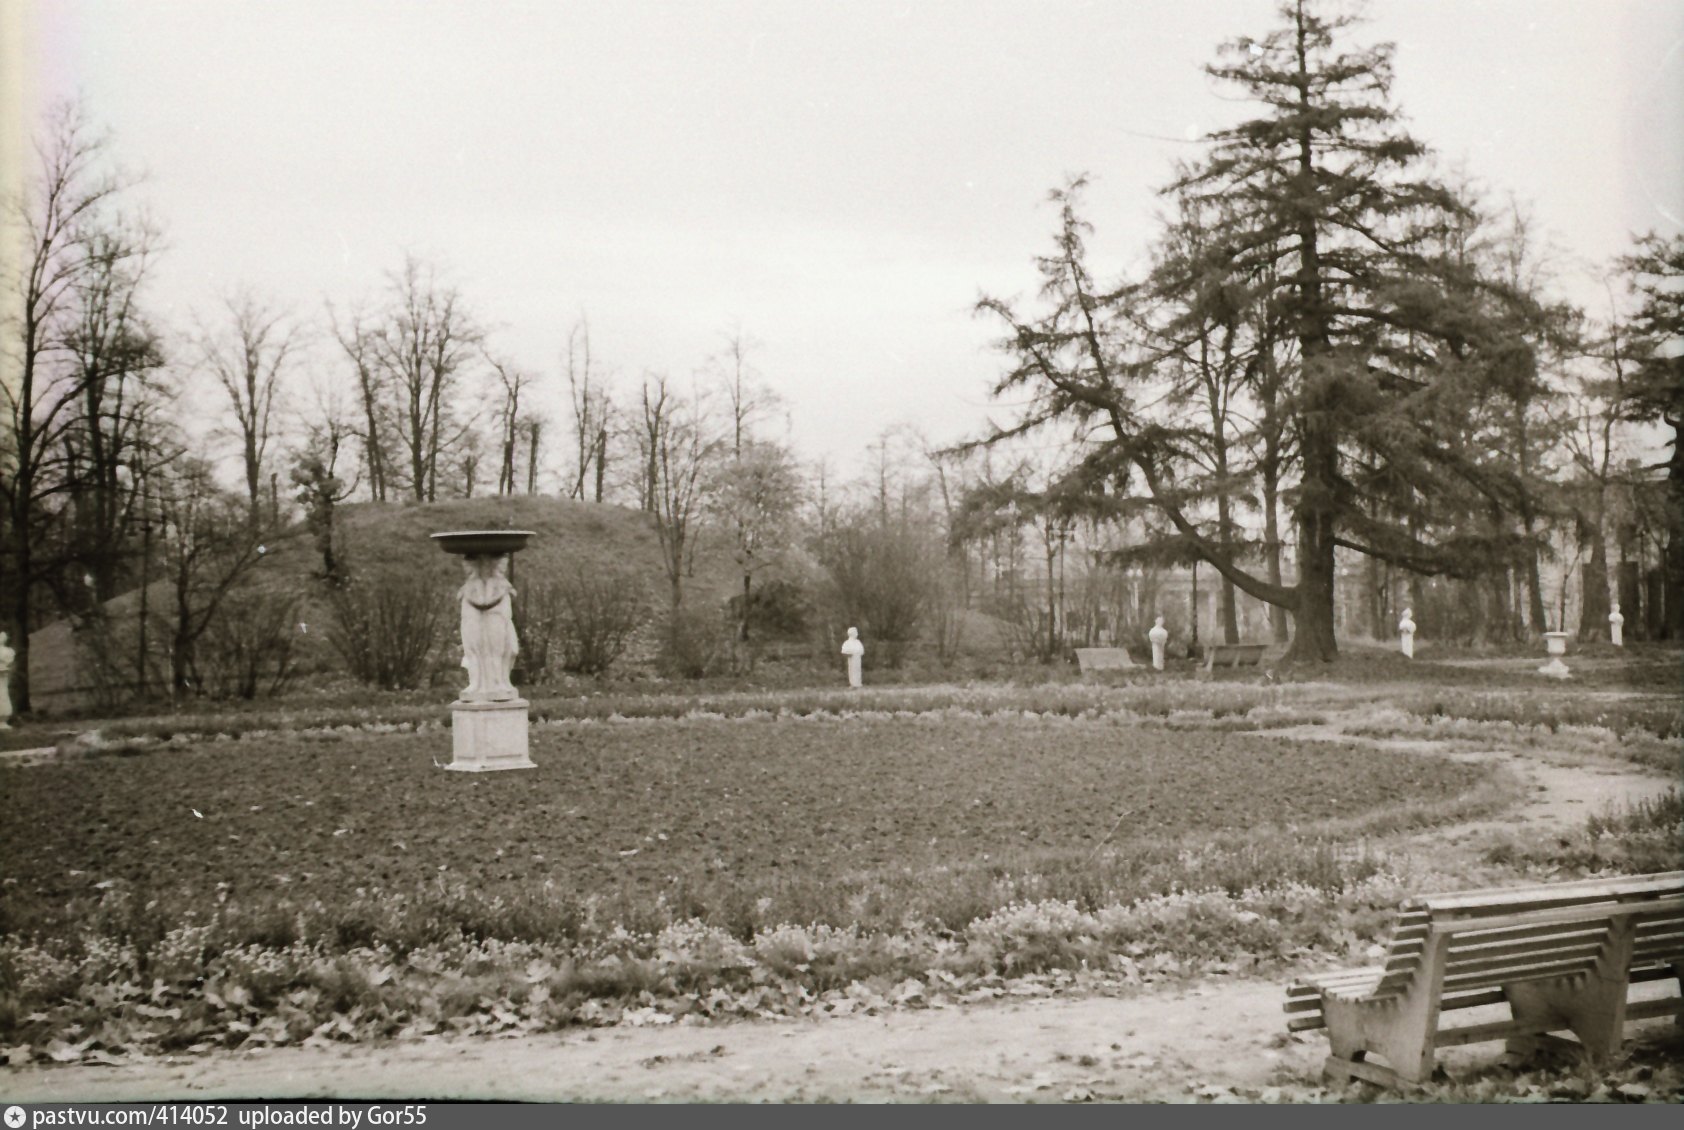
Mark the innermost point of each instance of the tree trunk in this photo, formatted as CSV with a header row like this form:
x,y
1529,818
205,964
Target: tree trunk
x,y
1674,587
1226,606
1374,581
601,460
747,584
1278,616
1313,638
1537,621
1593,596
1313,615
1052,602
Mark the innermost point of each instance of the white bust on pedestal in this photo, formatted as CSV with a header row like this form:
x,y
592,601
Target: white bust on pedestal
x,y
1616,627
854,650
1406,634
1159,635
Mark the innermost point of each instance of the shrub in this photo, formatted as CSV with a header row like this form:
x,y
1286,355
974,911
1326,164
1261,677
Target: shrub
x,y
581,622
385,625
881,581
599,614
248,649
777,609
105,659
696,643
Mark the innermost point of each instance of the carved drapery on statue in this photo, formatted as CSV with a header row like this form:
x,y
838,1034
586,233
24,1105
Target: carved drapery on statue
x,y
489,644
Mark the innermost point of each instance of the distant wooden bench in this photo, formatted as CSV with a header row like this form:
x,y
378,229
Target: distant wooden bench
x,y
1103,659
1561,956
1233,655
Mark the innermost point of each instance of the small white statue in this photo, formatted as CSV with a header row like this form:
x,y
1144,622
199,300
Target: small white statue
x,y
853,649
488,629
7,656
1406,635
1616,627
1159,635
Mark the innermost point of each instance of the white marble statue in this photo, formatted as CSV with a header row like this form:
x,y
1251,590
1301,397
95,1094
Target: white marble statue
x,y
7,657
1406,634
1159,635
1617,627
488,629
853,649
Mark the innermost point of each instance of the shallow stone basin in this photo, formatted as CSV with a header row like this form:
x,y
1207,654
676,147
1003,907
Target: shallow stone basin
x,y
482,543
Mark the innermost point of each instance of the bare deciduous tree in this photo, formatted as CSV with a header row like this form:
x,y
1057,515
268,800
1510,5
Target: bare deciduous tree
x,y
678,446
355,338
592,407
757,495
423,341
57,224
247,355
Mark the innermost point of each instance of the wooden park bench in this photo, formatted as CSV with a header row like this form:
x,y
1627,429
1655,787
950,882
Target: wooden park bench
x,y
1233,656
1560,956
1103,659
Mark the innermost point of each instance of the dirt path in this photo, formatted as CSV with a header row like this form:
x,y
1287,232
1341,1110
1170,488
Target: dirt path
x,y
1178,1043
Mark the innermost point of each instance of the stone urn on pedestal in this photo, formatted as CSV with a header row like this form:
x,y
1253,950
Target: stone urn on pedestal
x,y
488,723
1556,644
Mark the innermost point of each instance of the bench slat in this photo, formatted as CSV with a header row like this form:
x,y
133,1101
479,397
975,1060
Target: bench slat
x,y
1472,947
1548,895
1555,971
1666,945
1526,959
1450,1003
1602,913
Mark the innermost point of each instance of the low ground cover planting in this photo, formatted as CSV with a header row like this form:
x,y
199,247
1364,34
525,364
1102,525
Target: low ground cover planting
x,y
640,810
611,702
1659,715
345,887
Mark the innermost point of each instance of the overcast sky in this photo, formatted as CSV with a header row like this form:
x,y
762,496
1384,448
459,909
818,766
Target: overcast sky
x,y
839,180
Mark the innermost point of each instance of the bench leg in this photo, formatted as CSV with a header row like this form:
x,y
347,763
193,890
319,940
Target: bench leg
x,y
1591,1009
1678,975
1400,1029
1591,1005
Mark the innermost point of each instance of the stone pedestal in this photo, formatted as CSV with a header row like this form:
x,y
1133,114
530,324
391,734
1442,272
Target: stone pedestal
x,y
489,735
1556,644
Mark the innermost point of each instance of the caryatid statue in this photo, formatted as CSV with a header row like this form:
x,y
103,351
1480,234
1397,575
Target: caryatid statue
x,y
1616,628
1406,635
854,650
489,644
